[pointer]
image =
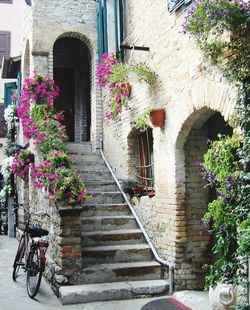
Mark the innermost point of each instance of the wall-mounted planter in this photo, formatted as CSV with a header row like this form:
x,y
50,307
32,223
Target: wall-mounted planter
x,y
157,117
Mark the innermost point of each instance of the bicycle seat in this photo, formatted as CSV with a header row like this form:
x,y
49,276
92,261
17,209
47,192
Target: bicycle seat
x,y
37,231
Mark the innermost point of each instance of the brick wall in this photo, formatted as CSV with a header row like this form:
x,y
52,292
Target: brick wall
x,y
190,96
76,19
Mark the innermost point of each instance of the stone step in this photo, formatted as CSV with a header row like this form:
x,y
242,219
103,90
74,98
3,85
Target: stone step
x,y
113,237
96,167
111,291
101,186
106,198
133,271
117,253
76,147
97,223
105,209
85,158
89,176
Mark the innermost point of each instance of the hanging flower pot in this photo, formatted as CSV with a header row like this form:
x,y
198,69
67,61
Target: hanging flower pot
x,y
157,117
127,87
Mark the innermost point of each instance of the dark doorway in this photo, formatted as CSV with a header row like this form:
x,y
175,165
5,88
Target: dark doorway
x,y
71,62
197,249
65,79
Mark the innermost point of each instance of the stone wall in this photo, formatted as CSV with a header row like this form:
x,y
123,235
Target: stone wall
x,y
190,96
44,23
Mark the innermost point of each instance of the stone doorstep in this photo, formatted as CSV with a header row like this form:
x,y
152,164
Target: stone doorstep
x,y
116,272
111,291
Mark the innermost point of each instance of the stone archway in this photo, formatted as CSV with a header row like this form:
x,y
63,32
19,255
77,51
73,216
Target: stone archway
x,y
205,125
71,72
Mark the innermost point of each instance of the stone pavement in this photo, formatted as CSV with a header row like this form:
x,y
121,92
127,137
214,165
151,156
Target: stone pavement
x,y
13,295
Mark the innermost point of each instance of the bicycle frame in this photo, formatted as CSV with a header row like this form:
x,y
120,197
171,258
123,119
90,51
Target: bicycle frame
x,y
31,254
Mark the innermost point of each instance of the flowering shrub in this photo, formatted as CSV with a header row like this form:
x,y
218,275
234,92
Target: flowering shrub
x,y
221,28
69,188
42,123
220,169
40,90
21,164
113,74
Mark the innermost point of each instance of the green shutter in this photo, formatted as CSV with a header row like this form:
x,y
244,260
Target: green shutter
x,y
102,33
117,43
105,27
8,92
100,30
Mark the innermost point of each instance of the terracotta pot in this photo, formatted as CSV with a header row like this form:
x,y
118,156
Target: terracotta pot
x,y
157,117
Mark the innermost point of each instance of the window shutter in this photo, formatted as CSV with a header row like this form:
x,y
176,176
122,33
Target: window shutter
x,y
173,4
4,45
100,30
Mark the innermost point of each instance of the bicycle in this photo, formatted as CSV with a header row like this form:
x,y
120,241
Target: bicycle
x,y
31,258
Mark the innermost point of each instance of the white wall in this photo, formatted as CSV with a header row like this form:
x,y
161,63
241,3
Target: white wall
x,y
11,16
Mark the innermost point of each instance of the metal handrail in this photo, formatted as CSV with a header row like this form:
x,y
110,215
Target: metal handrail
x,y
156,255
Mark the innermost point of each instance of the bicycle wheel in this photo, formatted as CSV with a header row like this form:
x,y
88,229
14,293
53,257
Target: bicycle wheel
x,y
19,259
34,272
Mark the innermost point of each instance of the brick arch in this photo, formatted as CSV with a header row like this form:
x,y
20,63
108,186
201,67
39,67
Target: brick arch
x,y
197,106
79,36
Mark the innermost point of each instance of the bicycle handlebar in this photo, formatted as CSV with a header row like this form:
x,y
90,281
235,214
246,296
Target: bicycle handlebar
x,y
38,213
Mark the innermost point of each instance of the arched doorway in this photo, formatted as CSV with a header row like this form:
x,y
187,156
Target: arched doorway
x,y
71,71
203,126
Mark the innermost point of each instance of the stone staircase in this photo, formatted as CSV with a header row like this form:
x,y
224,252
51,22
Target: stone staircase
x,y
117,261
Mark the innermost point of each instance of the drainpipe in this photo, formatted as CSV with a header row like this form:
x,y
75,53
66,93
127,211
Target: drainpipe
x,y
157,257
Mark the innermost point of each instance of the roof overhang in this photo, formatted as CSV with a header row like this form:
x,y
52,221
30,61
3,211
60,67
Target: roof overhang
x,y
10,67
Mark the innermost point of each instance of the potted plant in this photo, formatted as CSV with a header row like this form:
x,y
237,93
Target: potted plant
x,y
113,74
21,164
141,121
157,117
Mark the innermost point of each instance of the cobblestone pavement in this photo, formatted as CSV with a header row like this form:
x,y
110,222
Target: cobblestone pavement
x,y
13,295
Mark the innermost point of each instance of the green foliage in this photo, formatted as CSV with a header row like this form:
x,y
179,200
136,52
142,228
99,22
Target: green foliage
x,y
222,31
220,169
141,121
145,73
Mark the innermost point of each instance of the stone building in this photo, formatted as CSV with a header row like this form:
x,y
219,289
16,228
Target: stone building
x,y
61,40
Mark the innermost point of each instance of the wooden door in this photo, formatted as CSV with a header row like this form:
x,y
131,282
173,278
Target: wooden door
x,y
65,79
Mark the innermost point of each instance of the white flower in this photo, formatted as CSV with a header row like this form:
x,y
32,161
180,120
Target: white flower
x,y
5,193
6,164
